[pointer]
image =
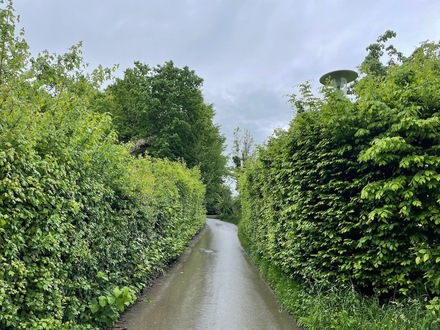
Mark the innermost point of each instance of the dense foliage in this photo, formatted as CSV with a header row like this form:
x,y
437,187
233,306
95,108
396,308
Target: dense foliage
x,y
83,224
317,307
350,193
162,111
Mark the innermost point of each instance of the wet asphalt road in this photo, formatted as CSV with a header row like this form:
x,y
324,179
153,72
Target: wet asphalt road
x,y
213,287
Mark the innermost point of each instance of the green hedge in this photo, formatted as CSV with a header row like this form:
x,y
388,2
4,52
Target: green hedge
x,y
84,226
351,191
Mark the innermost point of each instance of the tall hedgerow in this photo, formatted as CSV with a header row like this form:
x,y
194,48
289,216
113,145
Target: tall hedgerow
x,y
350,193
83,225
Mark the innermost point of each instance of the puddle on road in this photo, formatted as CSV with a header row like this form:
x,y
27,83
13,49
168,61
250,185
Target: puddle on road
x,y
215,286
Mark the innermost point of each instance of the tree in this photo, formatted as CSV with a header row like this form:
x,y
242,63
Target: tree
x,y
243,148
400,103
351,192
162,111
79,216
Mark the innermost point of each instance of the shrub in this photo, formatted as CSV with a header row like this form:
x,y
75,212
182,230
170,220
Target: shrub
x,y
351,191
80,219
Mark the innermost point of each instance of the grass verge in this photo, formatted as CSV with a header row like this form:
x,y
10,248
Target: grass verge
x,y
231,218
343,308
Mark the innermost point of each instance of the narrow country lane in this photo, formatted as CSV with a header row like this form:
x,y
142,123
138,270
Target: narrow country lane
x,y
215,286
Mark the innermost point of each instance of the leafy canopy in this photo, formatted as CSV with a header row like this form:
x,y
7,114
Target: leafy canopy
x,y
161,110
84,225
351,191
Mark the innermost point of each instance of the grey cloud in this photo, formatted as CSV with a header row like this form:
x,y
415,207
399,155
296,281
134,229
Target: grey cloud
x,y
256,108
251,53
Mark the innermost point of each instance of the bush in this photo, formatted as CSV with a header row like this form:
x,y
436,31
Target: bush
x,y
350,193
81,221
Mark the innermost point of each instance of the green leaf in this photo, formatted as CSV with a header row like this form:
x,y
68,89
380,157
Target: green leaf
x,y
117,292
94,307
120,306
102,301
125,291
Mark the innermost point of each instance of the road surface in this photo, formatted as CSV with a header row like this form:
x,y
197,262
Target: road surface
x,y
213,287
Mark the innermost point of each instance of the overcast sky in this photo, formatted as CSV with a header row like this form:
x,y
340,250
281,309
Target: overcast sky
x,y
250,53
